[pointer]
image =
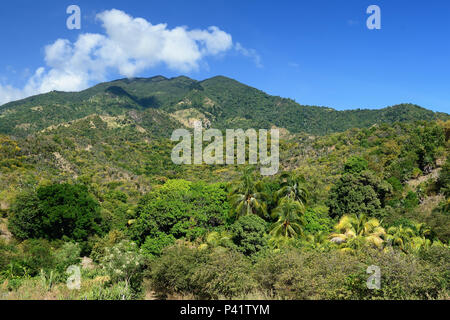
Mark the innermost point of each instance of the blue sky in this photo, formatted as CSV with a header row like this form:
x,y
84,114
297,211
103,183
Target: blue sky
x,y
316,52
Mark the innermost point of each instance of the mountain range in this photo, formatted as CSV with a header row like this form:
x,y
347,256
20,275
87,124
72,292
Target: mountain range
x,y
159,103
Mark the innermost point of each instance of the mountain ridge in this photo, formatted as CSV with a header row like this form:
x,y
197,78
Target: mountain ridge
x,y
220,101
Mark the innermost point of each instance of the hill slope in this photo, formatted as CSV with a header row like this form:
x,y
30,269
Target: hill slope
x,y
220,102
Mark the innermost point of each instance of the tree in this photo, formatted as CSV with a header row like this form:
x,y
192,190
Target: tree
x,y
361,193
290,222
153,246
399,236
444,179
247,196
180,208
293,187
217,239
355,165
249,234
427,139
353,230
25,218
54,212
408,238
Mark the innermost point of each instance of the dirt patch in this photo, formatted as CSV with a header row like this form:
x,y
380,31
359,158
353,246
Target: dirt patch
x,y
414,183
4,232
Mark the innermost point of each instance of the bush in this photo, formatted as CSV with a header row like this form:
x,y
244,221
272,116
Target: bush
x,y
99,245
295,274
405,277
172,273
115,291
226,274
67,255
444,179
34,255
153,246
123,262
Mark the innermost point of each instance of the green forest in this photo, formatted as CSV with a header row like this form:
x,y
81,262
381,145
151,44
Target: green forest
x,y
86,180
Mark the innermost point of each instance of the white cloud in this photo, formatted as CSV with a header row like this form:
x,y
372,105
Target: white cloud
x,y
251,53
128,46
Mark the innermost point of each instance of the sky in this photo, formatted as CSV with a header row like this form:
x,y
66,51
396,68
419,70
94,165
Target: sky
x,y
316,52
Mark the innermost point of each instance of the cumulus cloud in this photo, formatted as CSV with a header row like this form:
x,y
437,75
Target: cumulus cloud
x,y
128,46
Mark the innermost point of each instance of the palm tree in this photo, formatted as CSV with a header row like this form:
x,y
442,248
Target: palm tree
x,y
293,187
247,196
217,239
353,231
421,229
418,243
400,236
290,221
318,240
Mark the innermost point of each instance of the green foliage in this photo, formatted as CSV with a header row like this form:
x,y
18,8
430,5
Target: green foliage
x,y
67,255
115,291
293,187
358,232
25,218
411,200
204,275
54,212
249,234
247,196
181,209
153,246
396,184
172,273
317,220
124,262
225,101
34,255
355,165
444,179
226,274
112,142
289,219
362,193
100,245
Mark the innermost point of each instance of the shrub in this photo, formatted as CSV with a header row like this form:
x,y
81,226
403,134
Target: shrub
x,y
444,179
226,274
34,255
67,255
100,244
123,262
295,274
172,273
153,246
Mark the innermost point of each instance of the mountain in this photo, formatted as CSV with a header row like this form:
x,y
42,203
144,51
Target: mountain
x,y
219,102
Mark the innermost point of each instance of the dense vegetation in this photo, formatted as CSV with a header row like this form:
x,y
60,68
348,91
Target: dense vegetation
x,y
98,190
219,101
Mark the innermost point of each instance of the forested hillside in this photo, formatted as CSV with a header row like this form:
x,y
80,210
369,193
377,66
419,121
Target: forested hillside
x,y
87,179
220,102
